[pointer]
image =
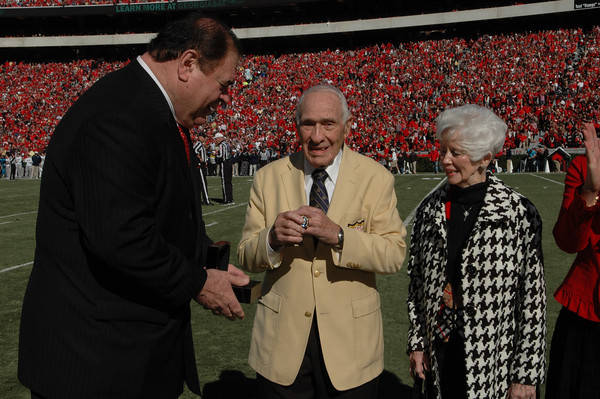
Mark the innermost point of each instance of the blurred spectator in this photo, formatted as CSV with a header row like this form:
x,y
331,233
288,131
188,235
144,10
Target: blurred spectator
x,y
3,165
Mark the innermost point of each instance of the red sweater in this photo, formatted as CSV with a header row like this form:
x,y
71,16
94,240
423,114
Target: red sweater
x,y
577,230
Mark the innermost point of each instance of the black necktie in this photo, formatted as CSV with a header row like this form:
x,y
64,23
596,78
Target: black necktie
x,y
318,193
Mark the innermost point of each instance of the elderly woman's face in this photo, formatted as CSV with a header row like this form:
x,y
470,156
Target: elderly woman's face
x,y
459,168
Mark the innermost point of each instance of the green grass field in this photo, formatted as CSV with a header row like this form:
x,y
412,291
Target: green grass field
x,y
222,355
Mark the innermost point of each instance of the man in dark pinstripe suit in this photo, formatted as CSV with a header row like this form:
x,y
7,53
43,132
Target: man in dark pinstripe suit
x,y
121,245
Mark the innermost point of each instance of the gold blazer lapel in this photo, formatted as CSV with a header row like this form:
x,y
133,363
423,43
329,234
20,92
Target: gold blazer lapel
x,y
292,180
348,178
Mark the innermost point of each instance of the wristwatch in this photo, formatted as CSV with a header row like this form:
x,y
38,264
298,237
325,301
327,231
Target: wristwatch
x,y
340,243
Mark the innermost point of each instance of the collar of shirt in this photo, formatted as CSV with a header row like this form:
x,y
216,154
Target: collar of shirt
x,y
162,89
332,174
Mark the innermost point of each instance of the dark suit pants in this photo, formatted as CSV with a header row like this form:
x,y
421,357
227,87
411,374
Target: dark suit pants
x,y
451,363
312,380
227,186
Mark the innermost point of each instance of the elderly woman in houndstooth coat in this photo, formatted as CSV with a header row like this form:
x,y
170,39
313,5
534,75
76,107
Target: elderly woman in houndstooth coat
x,y
476,300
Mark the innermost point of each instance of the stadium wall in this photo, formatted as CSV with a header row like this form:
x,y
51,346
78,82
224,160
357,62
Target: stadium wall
x,y
496,13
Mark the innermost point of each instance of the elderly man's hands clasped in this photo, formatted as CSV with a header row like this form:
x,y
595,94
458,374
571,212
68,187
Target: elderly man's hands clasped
x,y
290,227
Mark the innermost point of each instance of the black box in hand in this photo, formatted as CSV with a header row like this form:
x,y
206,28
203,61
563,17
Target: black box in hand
x,y
217,257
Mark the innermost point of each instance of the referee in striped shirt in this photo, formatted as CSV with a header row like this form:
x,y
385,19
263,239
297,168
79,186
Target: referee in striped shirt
x,y
202,167
226,169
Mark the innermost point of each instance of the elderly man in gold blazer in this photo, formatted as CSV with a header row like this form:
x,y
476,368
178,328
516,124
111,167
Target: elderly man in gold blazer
x,y
318,330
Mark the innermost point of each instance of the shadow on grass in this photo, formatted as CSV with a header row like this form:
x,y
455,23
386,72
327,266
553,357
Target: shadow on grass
x,y
233,384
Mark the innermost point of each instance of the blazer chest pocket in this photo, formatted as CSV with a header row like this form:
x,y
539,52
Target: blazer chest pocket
x,y
129,311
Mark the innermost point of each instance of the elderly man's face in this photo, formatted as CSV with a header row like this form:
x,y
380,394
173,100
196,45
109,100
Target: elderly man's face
x,y
322,130
205,91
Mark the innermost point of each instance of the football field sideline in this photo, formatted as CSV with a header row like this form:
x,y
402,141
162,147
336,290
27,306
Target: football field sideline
x,y
27,213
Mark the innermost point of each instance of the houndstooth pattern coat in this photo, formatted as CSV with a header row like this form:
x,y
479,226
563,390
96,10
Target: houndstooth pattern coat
x,y
504,294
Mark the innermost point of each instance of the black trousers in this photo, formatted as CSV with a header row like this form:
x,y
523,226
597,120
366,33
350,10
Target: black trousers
x,y
312,380
227,186
452,369
574,358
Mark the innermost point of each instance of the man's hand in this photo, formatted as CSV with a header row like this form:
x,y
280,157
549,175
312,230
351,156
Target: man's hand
x,y
238,277
217,294
287,229
419,363
520,391
319,225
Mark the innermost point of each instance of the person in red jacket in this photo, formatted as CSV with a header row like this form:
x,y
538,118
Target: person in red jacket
x,y
574,365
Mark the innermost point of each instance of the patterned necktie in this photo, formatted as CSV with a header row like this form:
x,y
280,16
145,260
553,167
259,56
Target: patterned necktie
x,y
318,192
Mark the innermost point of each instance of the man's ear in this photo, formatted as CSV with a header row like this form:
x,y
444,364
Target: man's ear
x,y
187,61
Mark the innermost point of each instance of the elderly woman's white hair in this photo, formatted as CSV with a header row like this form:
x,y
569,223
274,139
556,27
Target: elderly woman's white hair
x,y
480,131
324,87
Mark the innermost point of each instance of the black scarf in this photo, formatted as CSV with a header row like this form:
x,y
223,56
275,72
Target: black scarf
x,y
464,208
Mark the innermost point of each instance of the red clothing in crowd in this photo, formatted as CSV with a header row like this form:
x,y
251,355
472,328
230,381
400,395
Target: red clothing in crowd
x,y
577,230
533,80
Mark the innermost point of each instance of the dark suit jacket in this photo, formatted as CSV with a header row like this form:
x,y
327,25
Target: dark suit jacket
x,y
120,244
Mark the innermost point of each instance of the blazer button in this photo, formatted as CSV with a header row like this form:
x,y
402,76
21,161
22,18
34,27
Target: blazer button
x,y
317,273
307,314
471,270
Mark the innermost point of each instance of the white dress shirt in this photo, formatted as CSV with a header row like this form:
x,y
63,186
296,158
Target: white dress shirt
x,y
162,89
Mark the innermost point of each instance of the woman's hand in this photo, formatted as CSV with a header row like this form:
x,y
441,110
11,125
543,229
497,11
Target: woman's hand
x,y
520,391
419,363
592,153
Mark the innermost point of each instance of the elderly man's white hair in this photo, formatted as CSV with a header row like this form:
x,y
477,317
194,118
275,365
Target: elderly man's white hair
x,y
479,131
324,87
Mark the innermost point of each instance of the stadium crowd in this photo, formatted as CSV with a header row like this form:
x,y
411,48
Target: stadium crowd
x,y
542,83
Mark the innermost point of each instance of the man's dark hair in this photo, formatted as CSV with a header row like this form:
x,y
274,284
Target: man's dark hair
x,y
211,38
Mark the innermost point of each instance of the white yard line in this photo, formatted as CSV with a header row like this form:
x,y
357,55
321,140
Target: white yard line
x,y
411,215
6,222
30,263
224,209
545,178
18,214
16,267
